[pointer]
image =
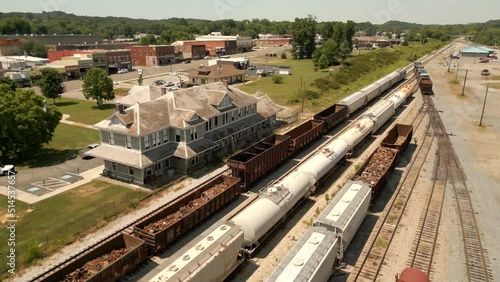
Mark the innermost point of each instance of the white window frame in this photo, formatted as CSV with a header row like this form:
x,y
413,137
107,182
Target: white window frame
x,y
165,135
111,138
147,145
128,140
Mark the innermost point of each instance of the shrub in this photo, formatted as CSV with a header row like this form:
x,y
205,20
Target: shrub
x,y
277,79
310,94
283,55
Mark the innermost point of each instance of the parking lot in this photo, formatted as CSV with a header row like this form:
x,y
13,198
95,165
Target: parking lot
x,y
42,180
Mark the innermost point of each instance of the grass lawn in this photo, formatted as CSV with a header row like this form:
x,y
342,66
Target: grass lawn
x,y
287,93
66,142
281,93
84,111
58,220
121,91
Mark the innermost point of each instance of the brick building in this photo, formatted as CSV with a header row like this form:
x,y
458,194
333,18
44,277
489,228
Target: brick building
x,y
213,47
152,55
109,60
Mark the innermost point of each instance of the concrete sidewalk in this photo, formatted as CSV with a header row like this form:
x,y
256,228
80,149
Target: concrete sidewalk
x,y
87,176
65,120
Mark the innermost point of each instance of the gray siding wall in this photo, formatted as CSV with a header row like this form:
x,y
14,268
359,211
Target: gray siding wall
x,y
104,137
120,140
135,143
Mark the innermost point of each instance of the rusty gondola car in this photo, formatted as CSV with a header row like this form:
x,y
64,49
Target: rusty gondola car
x,y
332,116
257,160
108,261
377,169
302,135
398,137
171,222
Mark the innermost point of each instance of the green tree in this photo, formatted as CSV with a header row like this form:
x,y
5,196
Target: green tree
x,y
51,84
323,61
283,55
147,40
11,83
331,51
344,50
350,30
304,30
98,86
31,123
36,49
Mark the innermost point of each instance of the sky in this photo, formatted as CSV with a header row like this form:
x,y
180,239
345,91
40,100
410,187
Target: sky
x,y
375,11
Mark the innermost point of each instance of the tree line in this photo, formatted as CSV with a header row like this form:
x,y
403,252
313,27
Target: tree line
x,y
174,29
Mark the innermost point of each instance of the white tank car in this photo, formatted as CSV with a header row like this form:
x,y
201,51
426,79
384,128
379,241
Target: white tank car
x,y
399,97
324,161
357,132
271,206
380,113
212,256
312,259
371,91
354,101
347,210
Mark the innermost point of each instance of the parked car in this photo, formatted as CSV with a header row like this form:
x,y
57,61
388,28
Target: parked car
x,y
123,71
169,83
267,71
83,153
115,82
251,67
187,62
485,72
159,82
207,58
493,60
484,60
492,56
7,169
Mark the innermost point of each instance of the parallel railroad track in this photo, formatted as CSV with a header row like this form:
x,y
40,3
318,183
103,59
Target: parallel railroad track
x,y
129,228
422,253
476,258
371,259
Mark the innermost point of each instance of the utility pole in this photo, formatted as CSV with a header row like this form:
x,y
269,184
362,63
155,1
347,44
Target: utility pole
x,y
456,74
303,94
465,80
484,105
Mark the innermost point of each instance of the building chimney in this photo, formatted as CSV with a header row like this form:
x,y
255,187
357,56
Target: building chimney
x,y
119,108
224,81
163,90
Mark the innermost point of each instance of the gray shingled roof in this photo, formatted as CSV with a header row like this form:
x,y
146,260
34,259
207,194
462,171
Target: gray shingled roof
x,y
141,94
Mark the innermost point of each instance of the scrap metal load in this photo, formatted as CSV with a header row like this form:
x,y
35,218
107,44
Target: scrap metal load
x,y
174,220
109,260
423,78
187,209
377,169
94,266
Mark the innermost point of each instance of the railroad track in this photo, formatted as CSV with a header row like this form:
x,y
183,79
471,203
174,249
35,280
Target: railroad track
x,y
422,253
371,259
476,258
129,228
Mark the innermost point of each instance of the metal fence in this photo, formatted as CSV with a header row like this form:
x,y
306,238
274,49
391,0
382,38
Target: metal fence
x,y
38,246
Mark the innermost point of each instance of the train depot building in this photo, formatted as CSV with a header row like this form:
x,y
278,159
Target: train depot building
x,y
155,133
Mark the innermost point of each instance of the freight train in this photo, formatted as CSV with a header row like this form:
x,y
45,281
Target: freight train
x,y
322,247
423,79
158,230
202,259
259,159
